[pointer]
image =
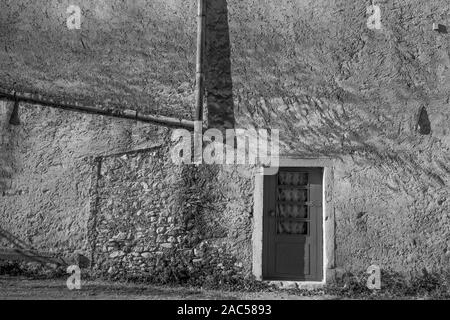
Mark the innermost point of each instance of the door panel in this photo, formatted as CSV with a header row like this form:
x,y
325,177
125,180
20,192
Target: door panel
x,y
292,241
289,259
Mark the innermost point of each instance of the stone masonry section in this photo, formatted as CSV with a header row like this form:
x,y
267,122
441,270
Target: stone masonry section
x,y
165,222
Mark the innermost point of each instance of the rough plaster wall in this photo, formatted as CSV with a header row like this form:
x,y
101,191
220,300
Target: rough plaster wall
x,y
335,88
46,166
164,221
393,217
128,54
131,54
314,70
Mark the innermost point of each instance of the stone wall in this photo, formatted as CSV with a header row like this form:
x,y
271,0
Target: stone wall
x,y
160,220
166,222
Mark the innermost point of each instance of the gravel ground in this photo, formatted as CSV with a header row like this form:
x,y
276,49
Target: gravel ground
x,y
22,288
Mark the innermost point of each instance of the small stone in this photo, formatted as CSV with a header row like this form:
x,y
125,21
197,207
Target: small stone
x,y
161,230
116,254
139,249
160,239
52,266
289,285
162,220
121,236
167,245
146,255
139,235
198,253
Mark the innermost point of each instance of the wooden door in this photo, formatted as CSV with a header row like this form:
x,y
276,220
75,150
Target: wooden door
x,y
292,241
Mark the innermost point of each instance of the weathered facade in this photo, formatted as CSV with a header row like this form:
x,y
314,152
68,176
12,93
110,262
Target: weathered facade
x,y
352,100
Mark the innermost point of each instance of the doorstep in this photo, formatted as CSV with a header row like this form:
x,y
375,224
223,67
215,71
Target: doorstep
x,y
302,285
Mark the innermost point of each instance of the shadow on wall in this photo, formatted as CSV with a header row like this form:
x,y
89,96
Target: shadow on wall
x,y
8,237
21,251
219,85
7,134
335,132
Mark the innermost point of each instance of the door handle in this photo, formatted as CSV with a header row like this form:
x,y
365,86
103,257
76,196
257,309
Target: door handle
x,y
272,213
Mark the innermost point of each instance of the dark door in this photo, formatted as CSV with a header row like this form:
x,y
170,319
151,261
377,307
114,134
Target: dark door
x,y
292,242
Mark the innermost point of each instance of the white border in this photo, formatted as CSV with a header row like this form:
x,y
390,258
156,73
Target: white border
x,y
328,221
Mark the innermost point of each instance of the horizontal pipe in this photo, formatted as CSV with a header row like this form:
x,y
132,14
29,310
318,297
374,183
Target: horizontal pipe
x,y
76,107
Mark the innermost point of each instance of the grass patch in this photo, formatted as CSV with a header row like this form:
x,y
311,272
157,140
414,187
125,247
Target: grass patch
x,y
393,286
427,285
32,270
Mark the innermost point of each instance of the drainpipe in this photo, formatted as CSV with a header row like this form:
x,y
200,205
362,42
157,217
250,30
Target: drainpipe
x,y
124,114
199,83
199,90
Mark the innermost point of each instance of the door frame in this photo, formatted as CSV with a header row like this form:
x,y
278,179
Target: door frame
x,y
328,223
